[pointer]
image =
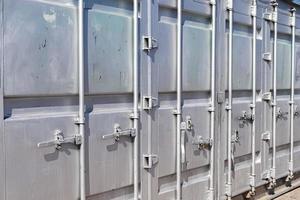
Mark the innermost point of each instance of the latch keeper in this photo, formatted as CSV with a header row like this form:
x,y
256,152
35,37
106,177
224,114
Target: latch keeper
x,y
149,43
149,102
149,160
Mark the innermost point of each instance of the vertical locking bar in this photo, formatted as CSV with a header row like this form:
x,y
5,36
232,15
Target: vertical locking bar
x,y
291,159
179,93
229,103
135,102
81,97
213,99
253,104
274,4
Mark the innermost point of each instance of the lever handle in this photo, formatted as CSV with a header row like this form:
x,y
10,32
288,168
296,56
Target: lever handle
x,y
59,139
118,132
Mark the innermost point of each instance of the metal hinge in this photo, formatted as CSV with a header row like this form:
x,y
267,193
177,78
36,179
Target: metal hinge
x,y
149,43
149,160
203,143
187,125
267,57
149,102
118,133
266,136
59,140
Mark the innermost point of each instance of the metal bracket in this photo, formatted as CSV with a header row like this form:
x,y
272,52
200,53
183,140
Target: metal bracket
x,y
292,22
59,140
187,125
229,4
149,102
203,143
118,133
87,5
267,96
253,10
270,16
266,136
267,57
212,2
149,160
149,43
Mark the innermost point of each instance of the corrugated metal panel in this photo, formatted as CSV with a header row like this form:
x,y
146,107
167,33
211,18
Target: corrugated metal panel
x,y
40,87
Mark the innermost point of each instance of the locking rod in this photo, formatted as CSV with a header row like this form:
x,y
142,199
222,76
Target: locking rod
x,y
229,103
291,158
81,97
135,101
213,99
274,4
179,100
253,103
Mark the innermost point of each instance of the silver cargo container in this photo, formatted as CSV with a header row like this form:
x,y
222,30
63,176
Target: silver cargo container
x,y
148,99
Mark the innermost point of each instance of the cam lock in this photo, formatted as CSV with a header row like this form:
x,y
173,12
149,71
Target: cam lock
x,y
203,143
59,140
118,133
